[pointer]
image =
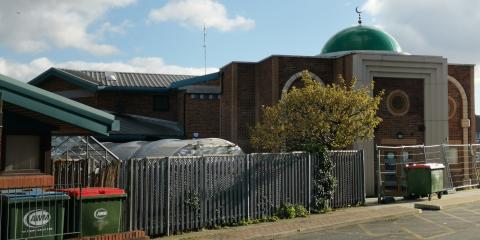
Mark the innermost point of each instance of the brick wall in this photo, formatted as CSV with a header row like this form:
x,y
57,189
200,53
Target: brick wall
x,y
455,131
343,66
226,102
181,108
249,86
118,101
246,104
136,103
263,83
117,236
26,181
202,115
287,66
412,123
55,84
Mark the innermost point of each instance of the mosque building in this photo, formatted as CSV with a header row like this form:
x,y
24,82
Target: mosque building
x,y
427,99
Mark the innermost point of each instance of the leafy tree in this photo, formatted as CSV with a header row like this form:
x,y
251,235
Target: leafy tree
x,y
317,117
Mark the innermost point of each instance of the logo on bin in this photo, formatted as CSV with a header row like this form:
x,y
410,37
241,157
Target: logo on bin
x,y
36,218
100,213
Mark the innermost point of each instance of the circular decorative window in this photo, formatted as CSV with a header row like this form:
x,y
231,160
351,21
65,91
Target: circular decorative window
x,y
452,107
398,103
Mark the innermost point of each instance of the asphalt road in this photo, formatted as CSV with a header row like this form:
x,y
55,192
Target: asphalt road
x,y
459,222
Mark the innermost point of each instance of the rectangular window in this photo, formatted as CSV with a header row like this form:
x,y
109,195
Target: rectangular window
x,y
161,103
22,153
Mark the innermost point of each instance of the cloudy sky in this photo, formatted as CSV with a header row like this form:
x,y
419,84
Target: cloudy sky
x,y
165,36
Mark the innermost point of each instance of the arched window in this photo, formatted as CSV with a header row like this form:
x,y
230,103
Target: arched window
x,y
297,76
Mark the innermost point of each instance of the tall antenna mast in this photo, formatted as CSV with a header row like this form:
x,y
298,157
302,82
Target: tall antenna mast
x,y
205,47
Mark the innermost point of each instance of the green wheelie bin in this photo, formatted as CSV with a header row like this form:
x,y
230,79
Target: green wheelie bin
x,y
32,214
423,180
97,211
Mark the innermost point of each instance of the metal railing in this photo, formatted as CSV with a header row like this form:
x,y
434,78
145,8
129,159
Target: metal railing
x,y
460,163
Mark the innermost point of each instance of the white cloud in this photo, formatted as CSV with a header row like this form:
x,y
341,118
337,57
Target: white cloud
x,y
108,27
24,71
433,27
440,27
35,26
199,12
27,71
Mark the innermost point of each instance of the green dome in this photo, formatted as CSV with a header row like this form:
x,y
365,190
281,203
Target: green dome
x,y
361,38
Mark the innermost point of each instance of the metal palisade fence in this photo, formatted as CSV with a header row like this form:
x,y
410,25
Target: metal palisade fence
x,y
176,194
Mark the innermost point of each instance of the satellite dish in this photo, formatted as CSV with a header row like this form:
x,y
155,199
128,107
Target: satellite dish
x,y
110,76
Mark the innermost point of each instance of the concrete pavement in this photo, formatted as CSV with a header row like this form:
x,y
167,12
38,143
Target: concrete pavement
x,y
450,200
455,222
342,217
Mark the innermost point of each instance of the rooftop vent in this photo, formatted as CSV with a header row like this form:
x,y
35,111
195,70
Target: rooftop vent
x,y
110,76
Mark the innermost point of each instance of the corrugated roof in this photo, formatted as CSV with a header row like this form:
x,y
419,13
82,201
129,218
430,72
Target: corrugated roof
x,y
55,106
127,79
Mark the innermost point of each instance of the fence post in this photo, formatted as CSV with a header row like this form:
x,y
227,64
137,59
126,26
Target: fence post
x,y
424,154
473,160
203,210
309,180
130,193
89,167
247,170
362,171
379,176
168,196
66,170
447,166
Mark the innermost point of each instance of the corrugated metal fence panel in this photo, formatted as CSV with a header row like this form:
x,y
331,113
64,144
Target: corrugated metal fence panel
x,y
277,179
147,194
349,175
207,191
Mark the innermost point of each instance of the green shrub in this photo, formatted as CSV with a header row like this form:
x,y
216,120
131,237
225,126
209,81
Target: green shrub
x,y
286,211
245,222
273,219
323,181
300,211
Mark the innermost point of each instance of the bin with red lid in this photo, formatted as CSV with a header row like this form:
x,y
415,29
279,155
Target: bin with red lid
x,y
98,210
423,180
